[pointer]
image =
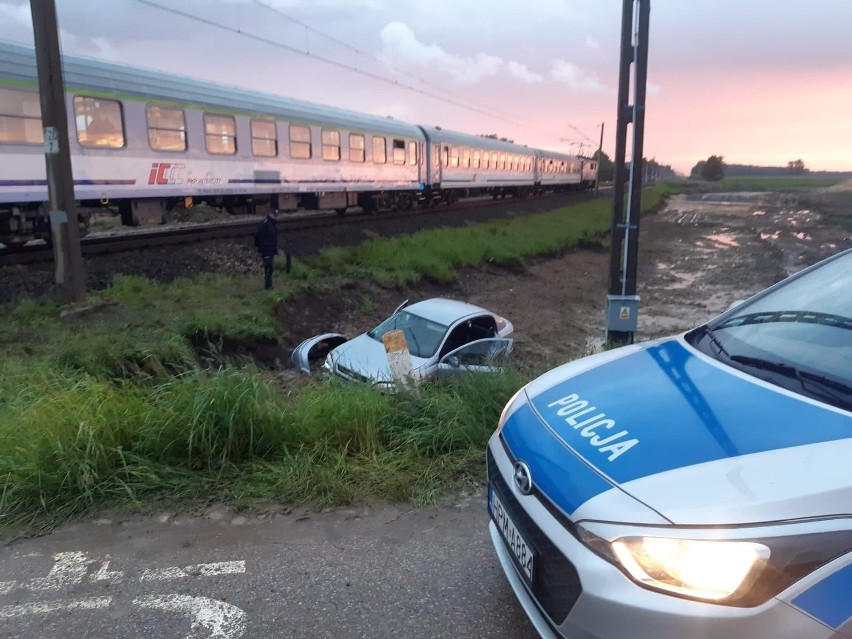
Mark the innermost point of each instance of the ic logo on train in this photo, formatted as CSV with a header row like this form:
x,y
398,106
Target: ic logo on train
x,y
167,173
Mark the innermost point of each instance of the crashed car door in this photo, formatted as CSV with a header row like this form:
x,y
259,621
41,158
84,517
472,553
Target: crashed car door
x,y
313,349
481,356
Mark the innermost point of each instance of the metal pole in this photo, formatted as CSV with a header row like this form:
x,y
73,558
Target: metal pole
x,y
623,120
600,154
622,301
65,229
632,244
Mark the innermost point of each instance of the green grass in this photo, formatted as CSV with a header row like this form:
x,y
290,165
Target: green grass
x,y
437,254
777,183
115,404
70,444
837,206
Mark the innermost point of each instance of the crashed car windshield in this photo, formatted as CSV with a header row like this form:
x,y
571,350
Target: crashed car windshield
x,y
798,335
422,336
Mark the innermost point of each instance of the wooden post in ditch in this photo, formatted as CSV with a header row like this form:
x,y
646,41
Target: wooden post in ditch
x,y
399,357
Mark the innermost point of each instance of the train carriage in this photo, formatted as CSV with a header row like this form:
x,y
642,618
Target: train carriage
x,y
558,171
472,165
143,142
141,139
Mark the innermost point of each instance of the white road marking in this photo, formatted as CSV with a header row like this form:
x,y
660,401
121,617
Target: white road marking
x,y
105,574
45,607
220,620
196,570
69,568
211,618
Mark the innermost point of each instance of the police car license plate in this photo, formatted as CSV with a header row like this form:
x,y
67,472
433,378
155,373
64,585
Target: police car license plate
x,y
514,541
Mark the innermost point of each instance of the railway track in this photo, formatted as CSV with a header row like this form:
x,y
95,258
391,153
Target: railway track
x,y
138,238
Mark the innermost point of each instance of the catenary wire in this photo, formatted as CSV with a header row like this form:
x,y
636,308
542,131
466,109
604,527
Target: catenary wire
x,y
342,65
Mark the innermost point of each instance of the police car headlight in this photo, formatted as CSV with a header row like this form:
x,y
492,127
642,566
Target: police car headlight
x,y
738,566
700,568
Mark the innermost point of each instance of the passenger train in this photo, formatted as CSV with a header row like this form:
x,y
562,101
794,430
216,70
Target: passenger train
x,y
143,142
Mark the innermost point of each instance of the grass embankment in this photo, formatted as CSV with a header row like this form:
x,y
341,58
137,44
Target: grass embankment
x,y
111,405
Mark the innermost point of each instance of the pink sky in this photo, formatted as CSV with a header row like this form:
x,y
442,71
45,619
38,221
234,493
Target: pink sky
x,y
757,82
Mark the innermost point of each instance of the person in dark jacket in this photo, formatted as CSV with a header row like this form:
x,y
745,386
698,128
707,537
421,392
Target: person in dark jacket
x,y
266,241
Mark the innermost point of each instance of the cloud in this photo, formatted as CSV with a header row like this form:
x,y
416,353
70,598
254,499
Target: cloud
x,y
521,72
576,79
593,44
402,49
14,18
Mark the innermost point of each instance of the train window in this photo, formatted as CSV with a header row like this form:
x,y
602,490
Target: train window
x,y
399,151
220,134
486,160
99,122
380,150
300,142
466,158
412,152
264,138
330,145
502,165
356,148
477,158
445,155
454,156
166,128
20,117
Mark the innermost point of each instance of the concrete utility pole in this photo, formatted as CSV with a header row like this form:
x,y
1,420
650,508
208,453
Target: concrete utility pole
x,y
600,153
622,301
65,229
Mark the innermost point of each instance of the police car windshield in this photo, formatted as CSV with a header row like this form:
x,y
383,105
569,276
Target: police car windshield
x,y
422,336
797,335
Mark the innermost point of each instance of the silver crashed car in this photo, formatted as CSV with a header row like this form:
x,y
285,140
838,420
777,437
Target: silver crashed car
x,y
444,337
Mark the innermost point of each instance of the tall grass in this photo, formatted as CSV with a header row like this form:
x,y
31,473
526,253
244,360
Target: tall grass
x,y
112,405
69,444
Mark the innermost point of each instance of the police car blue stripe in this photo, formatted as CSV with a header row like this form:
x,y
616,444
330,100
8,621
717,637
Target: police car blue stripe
x,y
664,408
830,600
562,476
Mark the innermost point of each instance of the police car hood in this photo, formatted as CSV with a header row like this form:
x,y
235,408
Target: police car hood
x,y
689,437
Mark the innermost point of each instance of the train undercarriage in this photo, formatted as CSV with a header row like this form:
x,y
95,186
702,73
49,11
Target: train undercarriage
x,y
24,222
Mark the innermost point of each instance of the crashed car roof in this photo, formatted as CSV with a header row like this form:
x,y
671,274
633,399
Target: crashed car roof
x,y
445,311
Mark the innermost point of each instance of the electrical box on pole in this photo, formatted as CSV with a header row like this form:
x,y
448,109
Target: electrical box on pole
x,y
622,301
65,229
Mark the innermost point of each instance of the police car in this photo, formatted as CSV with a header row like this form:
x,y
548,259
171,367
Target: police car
x,y
696,486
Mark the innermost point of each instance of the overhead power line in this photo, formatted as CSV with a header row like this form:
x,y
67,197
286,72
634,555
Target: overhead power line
x,y
358,51
336,63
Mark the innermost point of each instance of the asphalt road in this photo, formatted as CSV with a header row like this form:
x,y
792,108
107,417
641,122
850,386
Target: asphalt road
x,y
381,572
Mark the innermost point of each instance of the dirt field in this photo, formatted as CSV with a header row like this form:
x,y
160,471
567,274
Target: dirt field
x,y
697,256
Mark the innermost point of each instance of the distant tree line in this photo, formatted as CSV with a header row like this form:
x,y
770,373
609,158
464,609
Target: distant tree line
x,y
714,168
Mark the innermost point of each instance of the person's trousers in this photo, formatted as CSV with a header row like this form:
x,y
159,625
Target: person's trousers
x,y
268,266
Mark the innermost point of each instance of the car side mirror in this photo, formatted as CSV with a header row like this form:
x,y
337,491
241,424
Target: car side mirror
x,y
454,361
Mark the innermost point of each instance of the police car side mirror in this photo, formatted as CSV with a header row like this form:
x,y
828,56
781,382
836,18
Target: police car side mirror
x,y
453,361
